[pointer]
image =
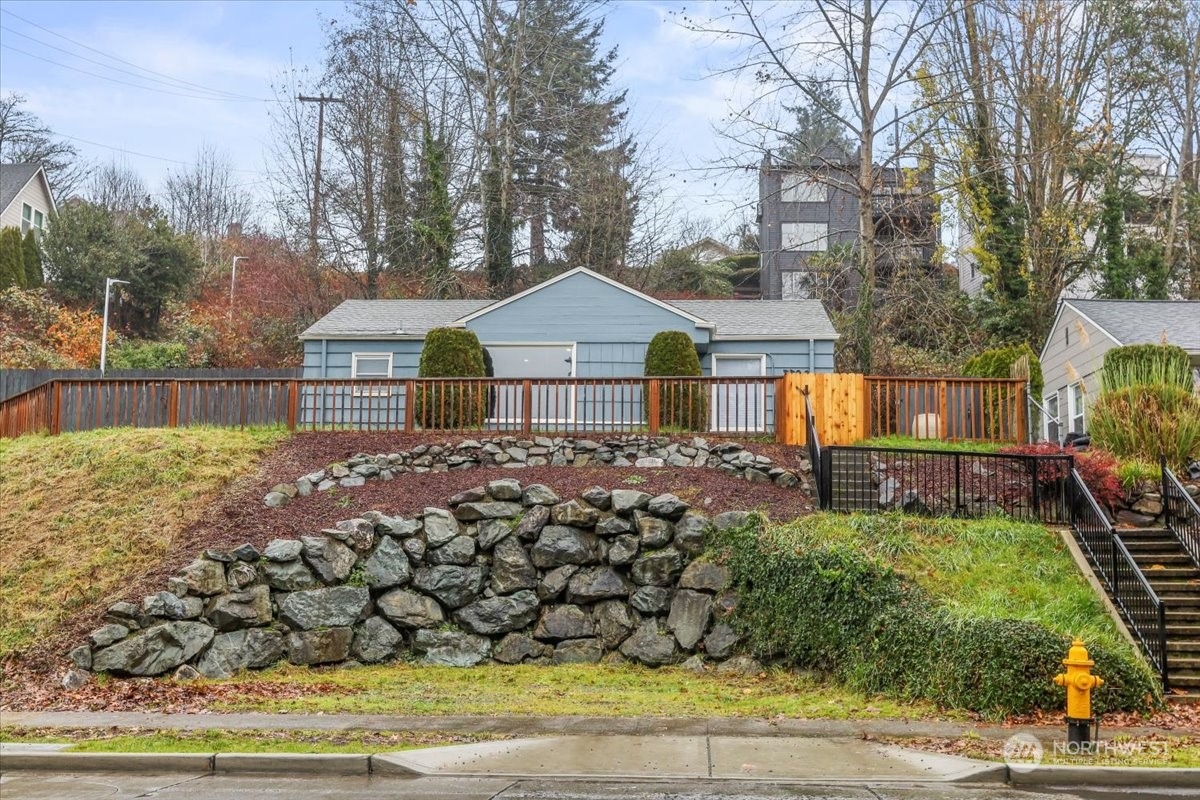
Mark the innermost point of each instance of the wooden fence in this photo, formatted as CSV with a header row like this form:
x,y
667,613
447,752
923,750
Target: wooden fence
x,y
463,405
15,381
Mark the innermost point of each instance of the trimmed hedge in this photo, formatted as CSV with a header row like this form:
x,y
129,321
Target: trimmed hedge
x,y
682,405
997,363
1146,365
451,353
838,610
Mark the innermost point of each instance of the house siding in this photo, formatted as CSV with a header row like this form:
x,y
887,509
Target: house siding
x,y
34,193
1081,359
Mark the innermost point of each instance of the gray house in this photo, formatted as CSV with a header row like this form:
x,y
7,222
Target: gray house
x,y
1084,330
577,325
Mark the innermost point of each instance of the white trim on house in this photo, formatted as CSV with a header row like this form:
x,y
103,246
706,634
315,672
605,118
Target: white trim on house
x,y
461,322
1096,325
1072,411
756,410
354,358
762,358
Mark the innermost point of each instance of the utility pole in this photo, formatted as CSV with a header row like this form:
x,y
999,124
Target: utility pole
x,y
321,100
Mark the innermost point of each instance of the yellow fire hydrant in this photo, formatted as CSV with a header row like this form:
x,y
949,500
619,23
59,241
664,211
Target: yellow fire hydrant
x,y
1079,681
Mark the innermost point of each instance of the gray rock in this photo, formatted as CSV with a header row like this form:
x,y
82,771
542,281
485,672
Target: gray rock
x,y
289,576
167,606
653,531
331,560
338,470
787,480
613,526
275,500
667,505
720,641
650,646
599,583
649,462
246,609
690,614
574,513
532,523
75,679
613,621
451,648
81,656
740,665
887,492
623,550
240,575
359,533
375,640
555,581
693,664
399,527
467,496
657,568
283,550
690,533
335,607
415,549
410,610
729,520
501,614
516,647
653,600
459,550
469,512
185,673
304,487
129,615
204,577
224,556
324,646
1135,519
511,568
388,566
678,460
352,482
440,527
230,653
453,586
492,531
155,650
625,501
558,545
577,651
599,497
536,494
705,576
108,634
177,586
756,476
504,489
563,622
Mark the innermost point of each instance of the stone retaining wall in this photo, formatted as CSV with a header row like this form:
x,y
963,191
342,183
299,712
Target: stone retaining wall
x,y
511,452
509,573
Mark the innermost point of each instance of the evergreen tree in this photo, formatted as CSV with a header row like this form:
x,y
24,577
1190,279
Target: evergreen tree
x,y
12,264
433,225
816,127
32,255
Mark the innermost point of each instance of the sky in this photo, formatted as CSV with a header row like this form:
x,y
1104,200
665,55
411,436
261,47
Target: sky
x,y
150,82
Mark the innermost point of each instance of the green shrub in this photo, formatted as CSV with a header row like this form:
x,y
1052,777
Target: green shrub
x,y
149,355
1144,422
451,353
682,404
838,609
1146,364
1135,472
998,363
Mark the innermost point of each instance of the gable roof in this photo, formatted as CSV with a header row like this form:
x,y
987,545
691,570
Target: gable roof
x,y
763,319
1145,321
15,177
389,319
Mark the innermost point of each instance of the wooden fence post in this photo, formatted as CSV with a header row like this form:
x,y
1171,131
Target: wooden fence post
x,y
173,404
655,405
526,407
56,410
943,420
1023,413
410,402
293,407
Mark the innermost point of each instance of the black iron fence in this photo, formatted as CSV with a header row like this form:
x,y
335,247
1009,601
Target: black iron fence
x,y
1182,513
1131,593
813,443
941,483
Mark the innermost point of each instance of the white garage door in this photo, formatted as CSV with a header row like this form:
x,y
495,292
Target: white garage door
x,y
549,402
738,406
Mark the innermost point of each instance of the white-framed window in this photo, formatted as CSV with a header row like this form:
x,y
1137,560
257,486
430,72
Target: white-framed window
x,y
1053,423
371,367
31,218
800,188
1075,407
808,237
796,285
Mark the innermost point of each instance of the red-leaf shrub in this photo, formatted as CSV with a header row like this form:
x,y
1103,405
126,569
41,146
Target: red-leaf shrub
x,y
1097,467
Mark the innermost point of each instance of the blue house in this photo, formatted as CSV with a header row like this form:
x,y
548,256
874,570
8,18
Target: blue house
x,y
579,324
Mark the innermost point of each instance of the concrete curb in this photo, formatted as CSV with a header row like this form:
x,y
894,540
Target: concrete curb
x,y
108,762
294,763
1157,777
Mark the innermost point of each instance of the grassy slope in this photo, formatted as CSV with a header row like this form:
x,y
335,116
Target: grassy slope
x,y
85,512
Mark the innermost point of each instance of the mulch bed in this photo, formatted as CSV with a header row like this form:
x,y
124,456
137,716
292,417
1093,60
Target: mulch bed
x,y
239,516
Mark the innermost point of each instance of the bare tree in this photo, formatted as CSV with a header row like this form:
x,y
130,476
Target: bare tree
x,y
203,200
118,187
24,139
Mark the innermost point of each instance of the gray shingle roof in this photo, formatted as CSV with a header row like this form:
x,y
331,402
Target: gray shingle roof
x,y
761,318
13,178
1146,321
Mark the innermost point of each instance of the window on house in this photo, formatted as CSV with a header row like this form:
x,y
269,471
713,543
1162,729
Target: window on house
x,y
26,218
799,188
1075,403
796,285
371,367
1053,423
38,219
807,237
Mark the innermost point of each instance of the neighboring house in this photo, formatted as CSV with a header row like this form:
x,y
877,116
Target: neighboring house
x,y
26,200
807,210
1084,330
579,324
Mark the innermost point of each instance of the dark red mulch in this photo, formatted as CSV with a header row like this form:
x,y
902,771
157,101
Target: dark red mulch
x,y
239,516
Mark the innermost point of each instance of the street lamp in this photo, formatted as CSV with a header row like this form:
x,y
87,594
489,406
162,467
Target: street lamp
x,y
108,283
233,279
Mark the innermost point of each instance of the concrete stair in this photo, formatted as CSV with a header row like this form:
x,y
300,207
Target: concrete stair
x,y
852,489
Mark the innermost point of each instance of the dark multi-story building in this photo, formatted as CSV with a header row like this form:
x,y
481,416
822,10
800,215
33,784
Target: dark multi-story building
x,y
805,211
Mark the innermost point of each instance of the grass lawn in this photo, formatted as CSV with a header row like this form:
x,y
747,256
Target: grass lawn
x,y
575,690
992,567
136,740
909,443
84,512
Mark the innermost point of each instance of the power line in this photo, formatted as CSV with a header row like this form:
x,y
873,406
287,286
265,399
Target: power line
x,y
147,155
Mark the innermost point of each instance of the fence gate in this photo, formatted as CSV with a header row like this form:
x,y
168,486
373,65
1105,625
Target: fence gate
x,y
839,406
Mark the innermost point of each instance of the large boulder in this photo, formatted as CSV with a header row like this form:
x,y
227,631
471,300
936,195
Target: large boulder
x,y
331,560
451,648
667,505
650,646
232,652
575,514
532,523
470,512
577,651
155,650
653,531
689,617
563,622
691,531
410,609
375,640
205,577
440,527
704,576
720,641
599,583
614,621
453,586
388,566
626,501
516,647
559,544
511,568
495,615
289,576
247,609
335,607
657,568
324,646
460,550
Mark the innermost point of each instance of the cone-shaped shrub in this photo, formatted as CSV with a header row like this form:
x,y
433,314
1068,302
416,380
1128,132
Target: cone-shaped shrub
x,y
683,404
451,353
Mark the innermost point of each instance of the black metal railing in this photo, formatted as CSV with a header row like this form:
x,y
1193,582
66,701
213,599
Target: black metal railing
x,y
943,483
1182,513
1131,593
813,442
